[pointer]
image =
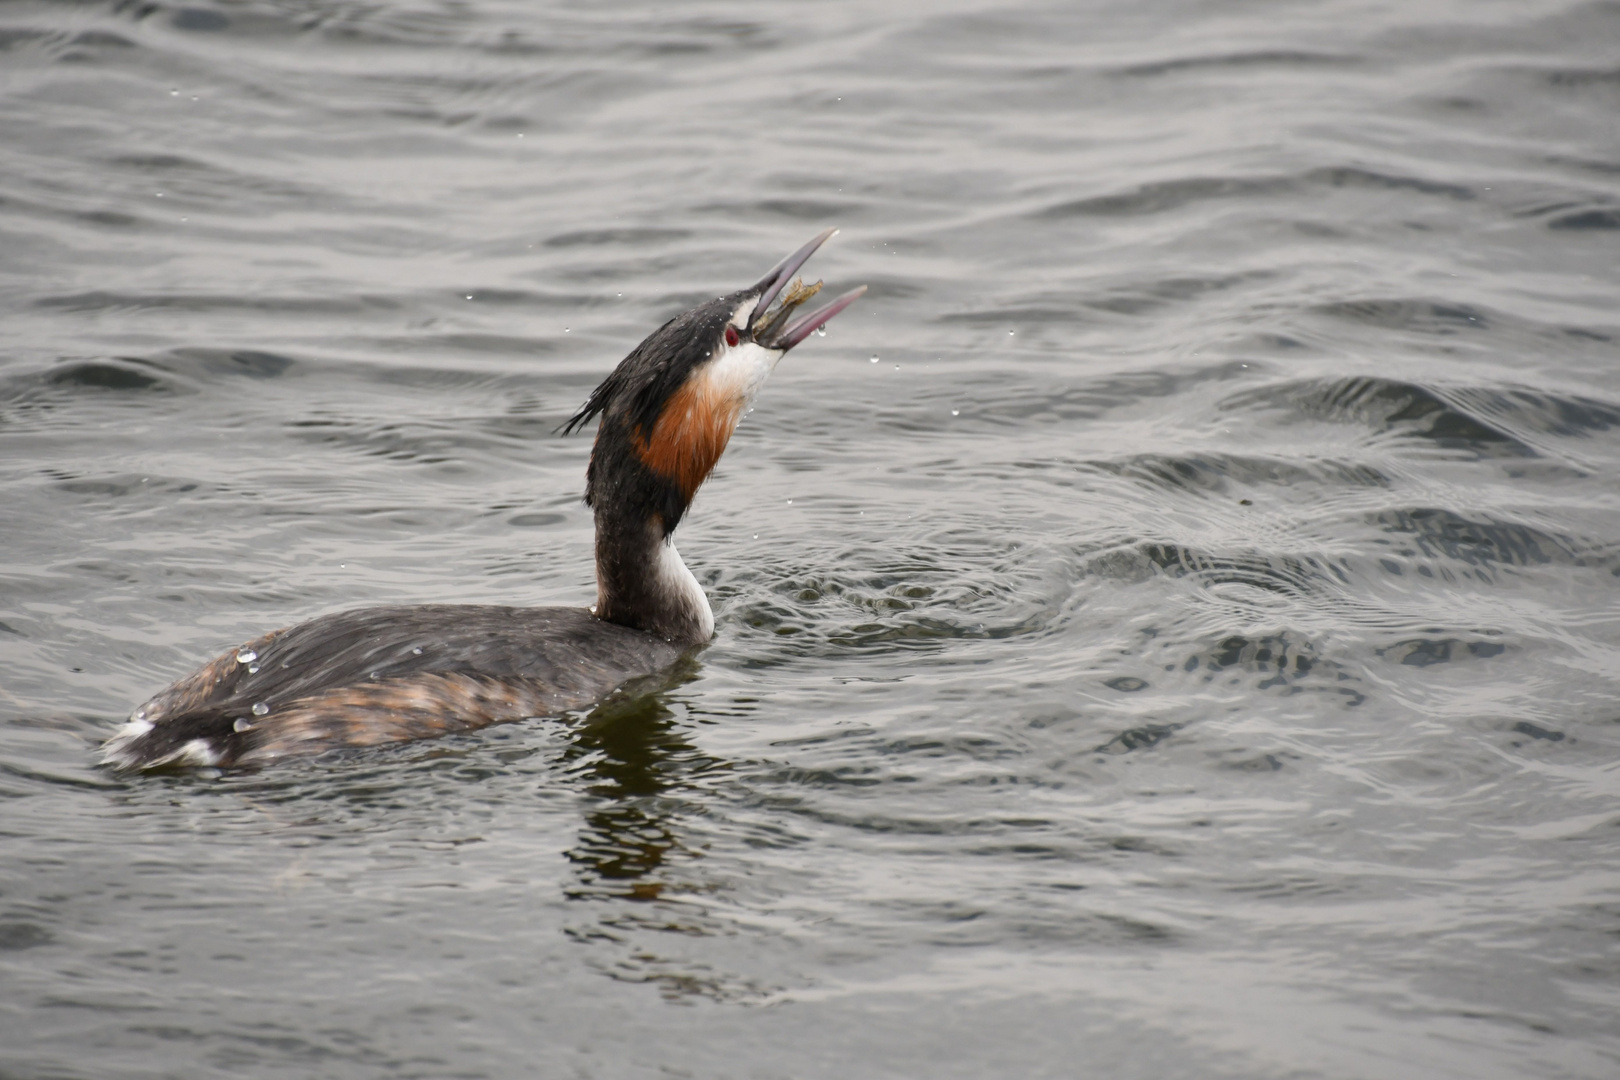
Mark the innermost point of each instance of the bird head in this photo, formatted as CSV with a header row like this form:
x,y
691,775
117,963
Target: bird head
x,y
669,409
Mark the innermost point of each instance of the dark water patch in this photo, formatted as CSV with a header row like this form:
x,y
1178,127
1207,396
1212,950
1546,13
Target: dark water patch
x,y
536,521
1264,763
1481,541
930,631
802,210
117,485
1127,300
922,609
1157,295
122,374
1279,660
17,38
92,47
1239,61
1165,195
200,20
1138,738
1282,655
1287,662
1022,315
1583,78
1216,473
1343,176
1587,221
250,363
422,443
109,301
518,44
17,936
54,779
1424,652
155,162
641,238
1427,317
200,184
1286,575
507,297
1536,731
1386,406
195,181
103,39
36,210
1090,399
48,397
1539,412
117,375
491,344
116,219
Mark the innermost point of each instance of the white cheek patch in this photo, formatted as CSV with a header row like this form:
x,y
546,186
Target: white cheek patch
x,y
738,374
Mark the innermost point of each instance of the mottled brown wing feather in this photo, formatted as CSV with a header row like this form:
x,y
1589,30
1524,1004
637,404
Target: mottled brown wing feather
x,y
378,675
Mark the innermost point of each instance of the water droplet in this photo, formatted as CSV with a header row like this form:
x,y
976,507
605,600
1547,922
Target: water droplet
x,y
246,656
253,669
565,329
260,709
241,725
756,536
874,358
417,651
956,412
897,367
821,331
174,93
1009,333
140,714
790,502
469,296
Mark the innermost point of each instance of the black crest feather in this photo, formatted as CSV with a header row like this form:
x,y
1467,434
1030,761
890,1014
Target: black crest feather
x,y
638,388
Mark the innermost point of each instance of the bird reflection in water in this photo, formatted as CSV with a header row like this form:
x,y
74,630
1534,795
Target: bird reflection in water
x,y
635,761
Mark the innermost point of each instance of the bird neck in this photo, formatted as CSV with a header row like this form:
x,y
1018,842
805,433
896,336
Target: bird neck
x,y
642,583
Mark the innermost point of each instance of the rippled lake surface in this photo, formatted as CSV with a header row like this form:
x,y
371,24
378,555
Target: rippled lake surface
x,y
1169,628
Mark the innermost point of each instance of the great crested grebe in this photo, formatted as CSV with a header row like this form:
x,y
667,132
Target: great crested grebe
x,y
385,674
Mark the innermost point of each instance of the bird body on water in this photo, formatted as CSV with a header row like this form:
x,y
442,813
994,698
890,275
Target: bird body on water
x,y
387,674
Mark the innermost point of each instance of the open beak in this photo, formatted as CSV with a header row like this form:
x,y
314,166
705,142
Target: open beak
x,y
779,327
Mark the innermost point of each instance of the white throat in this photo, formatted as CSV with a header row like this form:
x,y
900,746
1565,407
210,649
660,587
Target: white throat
x,y
676,583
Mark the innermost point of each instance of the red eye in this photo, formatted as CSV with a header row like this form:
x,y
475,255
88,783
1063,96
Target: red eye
x,y
731,335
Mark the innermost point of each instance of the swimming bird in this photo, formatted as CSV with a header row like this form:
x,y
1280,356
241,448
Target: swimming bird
x,y
386,674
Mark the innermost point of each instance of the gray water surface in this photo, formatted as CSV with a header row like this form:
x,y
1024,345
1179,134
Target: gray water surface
x,y
1169,628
